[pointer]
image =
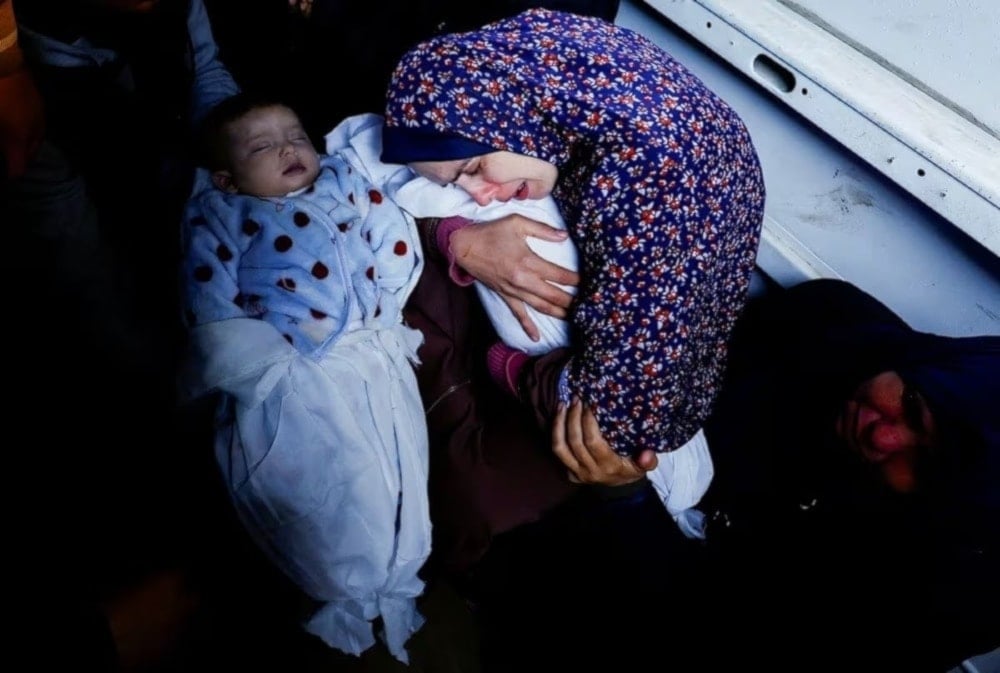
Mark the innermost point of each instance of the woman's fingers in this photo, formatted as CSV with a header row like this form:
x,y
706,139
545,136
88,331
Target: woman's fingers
x,y
497,254
559,445
575,437
541,230
527,324
577,442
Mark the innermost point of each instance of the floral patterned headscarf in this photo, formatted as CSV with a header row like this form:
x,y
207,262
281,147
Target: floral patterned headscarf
x,y
659,184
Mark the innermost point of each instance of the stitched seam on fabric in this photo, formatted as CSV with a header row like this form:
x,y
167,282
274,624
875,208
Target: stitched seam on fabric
x,y
445,394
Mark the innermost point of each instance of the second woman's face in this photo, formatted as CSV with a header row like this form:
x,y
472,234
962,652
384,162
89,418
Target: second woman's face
x,y
888,423
497,176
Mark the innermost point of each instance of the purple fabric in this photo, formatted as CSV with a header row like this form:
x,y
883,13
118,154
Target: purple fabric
x,y
658,181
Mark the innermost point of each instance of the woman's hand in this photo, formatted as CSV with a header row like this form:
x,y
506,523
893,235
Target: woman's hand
x,y
577,441
496,253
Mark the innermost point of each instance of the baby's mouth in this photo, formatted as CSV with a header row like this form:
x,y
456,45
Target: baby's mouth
x,y
294,169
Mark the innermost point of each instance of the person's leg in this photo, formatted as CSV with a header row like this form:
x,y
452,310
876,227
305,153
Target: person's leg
x,y
112,469
596,583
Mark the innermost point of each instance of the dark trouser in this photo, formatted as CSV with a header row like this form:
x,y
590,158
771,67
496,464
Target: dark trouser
x,y
595,585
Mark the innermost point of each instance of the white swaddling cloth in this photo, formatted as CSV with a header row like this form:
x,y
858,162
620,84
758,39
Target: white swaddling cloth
x,y
423,198
681,476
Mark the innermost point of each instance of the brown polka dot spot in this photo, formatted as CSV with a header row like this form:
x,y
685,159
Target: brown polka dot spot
x,y
203,274
288,338
400,248
343,226
375,195
283,243
320,271
286,284
198,221
300,219
378,311
370,272
250,227
350,197
224,253
319,315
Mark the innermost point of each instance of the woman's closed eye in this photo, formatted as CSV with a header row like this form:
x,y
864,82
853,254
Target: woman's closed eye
x,y
474,167
469,168
913,409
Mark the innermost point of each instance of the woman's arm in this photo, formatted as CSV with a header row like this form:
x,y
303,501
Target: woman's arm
x,y
22,122
212,81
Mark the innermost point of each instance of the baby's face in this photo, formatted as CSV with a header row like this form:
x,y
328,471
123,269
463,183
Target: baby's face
x,y
270,153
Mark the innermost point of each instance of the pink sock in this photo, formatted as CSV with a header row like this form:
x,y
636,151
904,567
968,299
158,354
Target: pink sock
x,y
504,364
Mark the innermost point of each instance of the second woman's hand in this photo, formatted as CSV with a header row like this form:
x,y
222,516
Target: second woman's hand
x,y
497,254
589,459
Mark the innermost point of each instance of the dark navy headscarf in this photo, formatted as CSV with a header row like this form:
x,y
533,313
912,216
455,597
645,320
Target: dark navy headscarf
x,y
959,377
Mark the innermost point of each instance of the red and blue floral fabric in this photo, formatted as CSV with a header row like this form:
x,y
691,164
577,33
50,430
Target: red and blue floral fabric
x,y
659,184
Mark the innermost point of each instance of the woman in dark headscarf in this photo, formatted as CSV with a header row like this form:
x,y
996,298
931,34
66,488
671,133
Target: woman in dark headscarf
x,y
854,517
655,175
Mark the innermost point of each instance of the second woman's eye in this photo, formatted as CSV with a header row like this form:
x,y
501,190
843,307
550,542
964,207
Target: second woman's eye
x,y
913,408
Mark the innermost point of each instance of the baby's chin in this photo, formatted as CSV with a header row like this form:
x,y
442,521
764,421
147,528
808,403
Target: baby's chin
x,y
303,178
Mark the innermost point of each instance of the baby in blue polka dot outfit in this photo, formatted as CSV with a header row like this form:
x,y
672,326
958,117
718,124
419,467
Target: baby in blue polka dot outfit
x,y
294,275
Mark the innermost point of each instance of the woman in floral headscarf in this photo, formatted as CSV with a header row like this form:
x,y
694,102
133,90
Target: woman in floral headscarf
x,y
656,177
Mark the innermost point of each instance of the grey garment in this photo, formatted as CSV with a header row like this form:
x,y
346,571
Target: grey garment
x,y
66,278
212,81
49,209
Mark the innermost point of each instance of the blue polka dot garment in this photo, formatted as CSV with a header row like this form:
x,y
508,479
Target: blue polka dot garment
x,y
327,260
659,184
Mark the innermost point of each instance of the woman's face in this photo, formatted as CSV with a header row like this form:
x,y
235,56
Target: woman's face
x,y
888,424
497,176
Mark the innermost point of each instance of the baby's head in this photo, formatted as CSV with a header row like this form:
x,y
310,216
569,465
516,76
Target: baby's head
x,y
258,147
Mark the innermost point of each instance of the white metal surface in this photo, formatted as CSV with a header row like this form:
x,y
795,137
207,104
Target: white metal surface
x,y
854,68
947,48
828,213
